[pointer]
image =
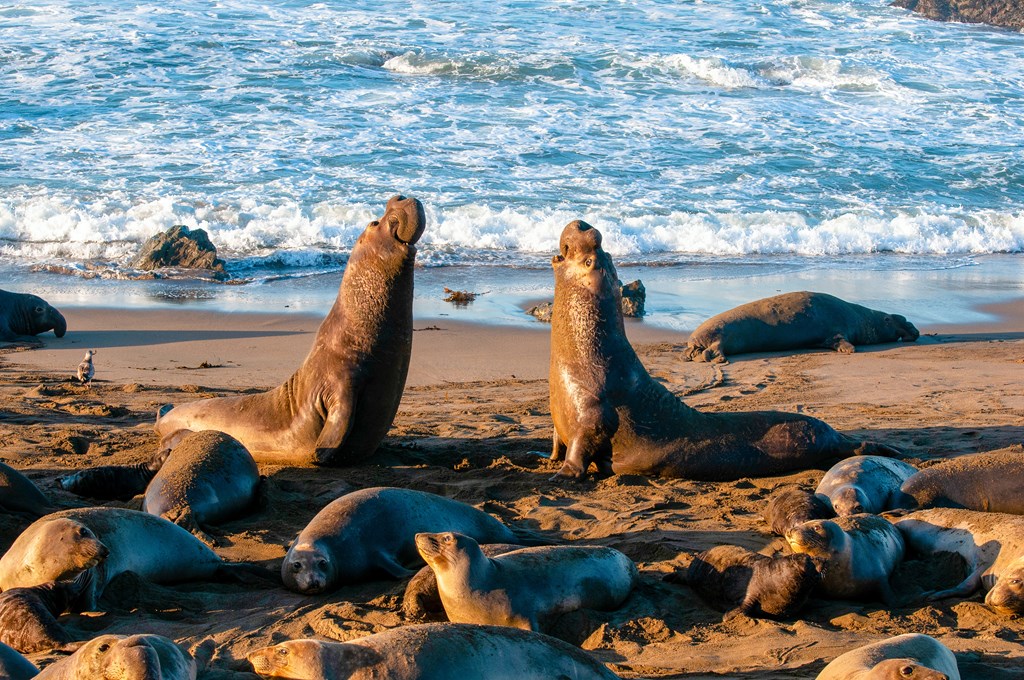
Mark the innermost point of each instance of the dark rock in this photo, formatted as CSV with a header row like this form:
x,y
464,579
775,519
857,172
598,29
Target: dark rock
x,y
1005,13
180,247
634,295
542,311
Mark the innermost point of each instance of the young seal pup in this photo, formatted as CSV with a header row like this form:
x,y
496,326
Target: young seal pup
x,y
18,494
374,531
113,482
28,616
868,484
791,506
124,657
432,651
905,657
989,482
524,587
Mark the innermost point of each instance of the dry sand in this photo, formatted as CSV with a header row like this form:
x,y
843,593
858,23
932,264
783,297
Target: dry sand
x,y
474,411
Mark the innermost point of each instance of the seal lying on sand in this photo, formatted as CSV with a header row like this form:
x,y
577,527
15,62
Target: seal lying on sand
x,y
860,553
18,494
990,482
28,616
208,478
124,657
24,316
991,543
524,587
795,321
733,578
868,484
791,506
14,666
338,406
422,601
913,656
113,482
429,651
608,411
374,530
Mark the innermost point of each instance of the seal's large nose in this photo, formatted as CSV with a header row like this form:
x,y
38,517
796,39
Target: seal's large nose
x,y
405,218
579,237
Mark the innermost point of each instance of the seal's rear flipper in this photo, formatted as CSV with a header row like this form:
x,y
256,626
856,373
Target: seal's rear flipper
x,y
531,538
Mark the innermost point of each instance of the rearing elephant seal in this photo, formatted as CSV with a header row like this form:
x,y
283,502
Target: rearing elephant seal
x,y
795,321
124,657
608,411
432,651
338,406
912,656
23,315
990,482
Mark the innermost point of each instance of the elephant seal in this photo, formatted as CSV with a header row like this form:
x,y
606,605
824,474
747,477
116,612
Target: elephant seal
x,y
738,580
24,316
430,651
124,657
20,495
991,543
860,554
868,484
337,407
913,655
208,478
114,482
989,482
28,616
13,666
422,601
374,531
524,587
795,321
105,542
791,506
608,411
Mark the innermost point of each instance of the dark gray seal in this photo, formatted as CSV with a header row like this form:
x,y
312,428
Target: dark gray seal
x,y
795,321
868,484
432,651
374,531
338,406
912,656
608,411
113,482
422,601
791,506
13,666
18,494
28,616
124,657
24,316
208,478
989,482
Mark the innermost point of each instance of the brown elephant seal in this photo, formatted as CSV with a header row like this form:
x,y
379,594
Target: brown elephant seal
x,y
526,587
989,482
113,482
860,554
208,478
374,531
28,616
608,411
868,484
432,651
20,495
422,601
13,666
24,316
991,543
791,506
106,542
795,321
737,580
124,657
338,406
905,657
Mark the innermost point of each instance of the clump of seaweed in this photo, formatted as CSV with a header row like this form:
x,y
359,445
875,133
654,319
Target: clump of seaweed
x,y
460,298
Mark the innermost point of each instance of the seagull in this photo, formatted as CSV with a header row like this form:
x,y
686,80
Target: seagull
x,y
86,370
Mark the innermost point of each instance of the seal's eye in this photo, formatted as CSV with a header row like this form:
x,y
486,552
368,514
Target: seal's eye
x,y
447,538
104,647
907,671
281,651
296,567
589,262
321,564
39,310
1015,581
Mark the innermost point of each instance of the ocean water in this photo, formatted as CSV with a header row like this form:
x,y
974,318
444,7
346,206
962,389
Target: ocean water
x,y
725,149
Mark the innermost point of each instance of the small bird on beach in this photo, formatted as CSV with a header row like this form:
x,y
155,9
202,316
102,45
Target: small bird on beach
x,y
86,370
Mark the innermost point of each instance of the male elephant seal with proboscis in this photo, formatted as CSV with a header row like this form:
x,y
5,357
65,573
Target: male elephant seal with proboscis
x,y
524,588
607,410
19,494
868,484
24,316
990,482
795,321
124,657
13,666
337,407
905,657
432,651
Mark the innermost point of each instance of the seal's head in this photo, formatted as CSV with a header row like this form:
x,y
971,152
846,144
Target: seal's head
x,y
904,330
134,657
903,669
780,586
63,548
311,659
849,500
307,569
1007,595
817,538
792,506
443,550
583,262
397,231
38,316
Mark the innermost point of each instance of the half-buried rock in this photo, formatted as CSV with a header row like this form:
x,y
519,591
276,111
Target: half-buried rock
x,y
181,248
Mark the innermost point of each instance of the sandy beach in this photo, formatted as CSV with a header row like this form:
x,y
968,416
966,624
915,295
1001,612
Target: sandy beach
x,y
474,415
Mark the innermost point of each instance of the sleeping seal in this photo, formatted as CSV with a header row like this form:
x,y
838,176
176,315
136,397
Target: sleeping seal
x,y
868,484
124,657
113,482
905,657
990,482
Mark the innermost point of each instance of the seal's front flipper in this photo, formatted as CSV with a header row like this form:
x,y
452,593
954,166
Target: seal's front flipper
x,y
334,432
963,589
840,344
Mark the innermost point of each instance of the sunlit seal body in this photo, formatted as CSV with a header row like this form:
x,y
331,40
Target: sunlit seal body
x,y
18,494
28,616
991,543
795,321
734,579
608,411
106,542
905,657
208,478
868,484
24,316
990,482
338,406
432,651
113,482
124,657
13,666
422,601
524,588
860,553
791,506
374,531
